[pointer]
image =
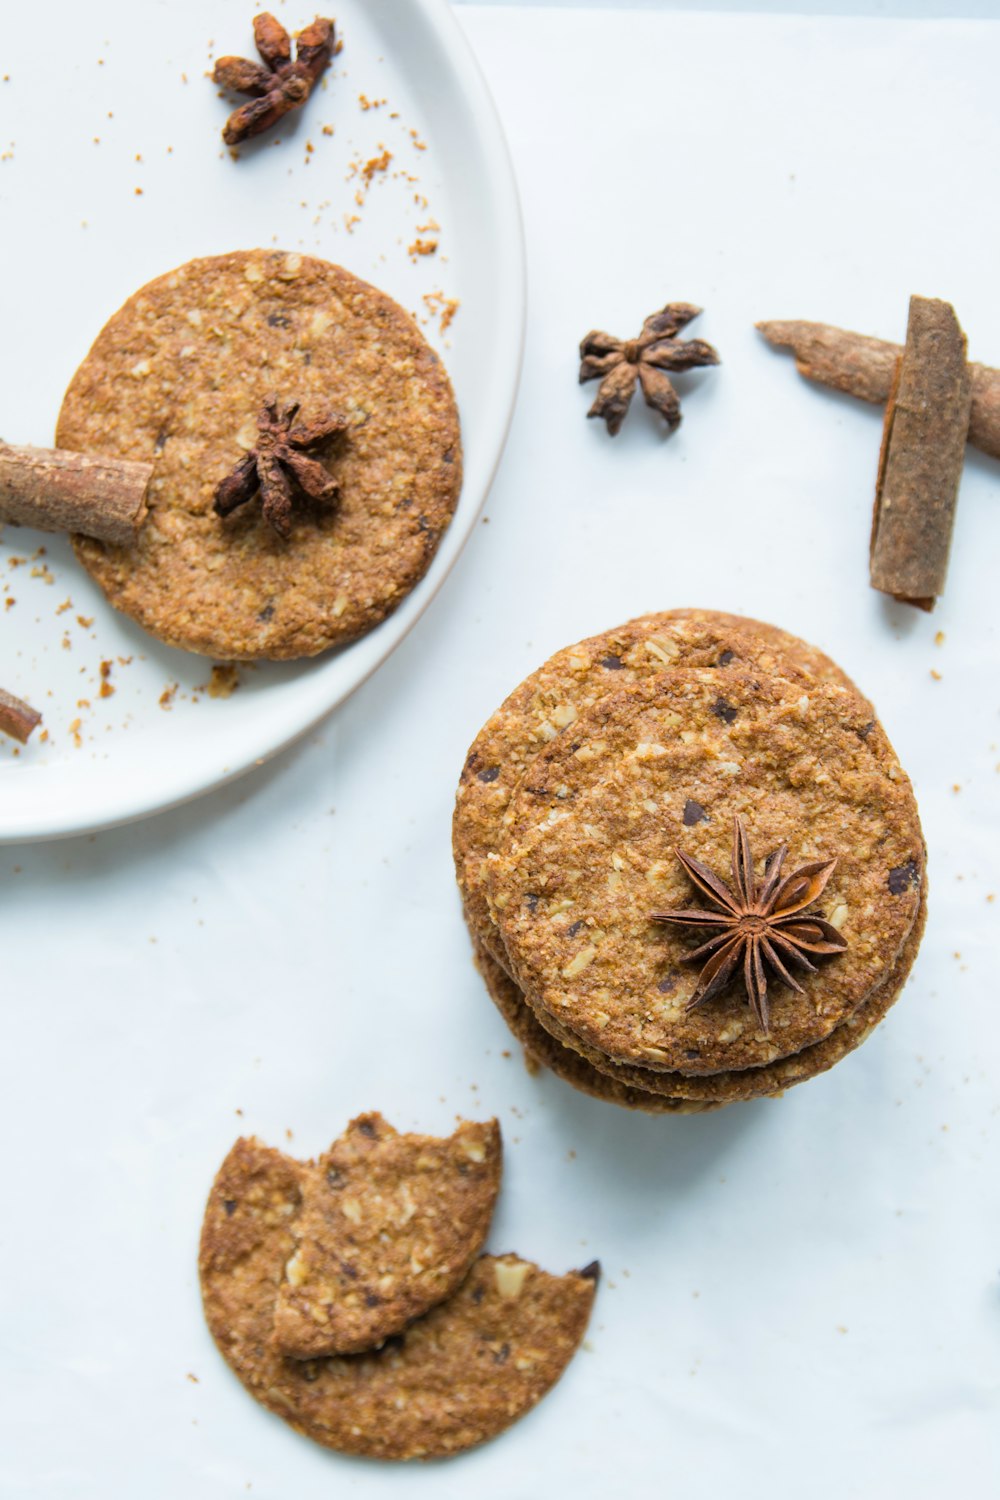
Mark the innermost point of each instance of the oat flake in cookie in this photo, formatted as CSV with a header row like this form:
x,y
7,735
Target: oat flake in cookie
x,y
455,1378
389,1226
178,377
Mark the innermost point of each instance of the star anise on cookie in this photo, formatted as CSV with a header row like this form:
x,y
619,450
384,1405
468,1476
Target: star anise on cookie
x,y
620,363
759,922
279,464
279,83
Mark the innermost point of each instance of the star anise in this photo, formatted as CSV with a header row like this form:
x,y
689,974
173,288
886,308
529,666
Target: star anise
x,y
279,463
758,921
621,363
279,84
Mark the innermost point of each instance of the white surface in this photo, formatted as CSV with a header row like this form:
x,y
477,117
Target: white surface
x,y
137,181
802,1296
984,9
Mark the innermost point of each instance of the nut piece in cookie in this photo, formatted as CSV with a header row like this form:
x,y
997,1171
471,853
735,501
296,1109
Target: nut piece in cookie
x,y
388,1227
457,1377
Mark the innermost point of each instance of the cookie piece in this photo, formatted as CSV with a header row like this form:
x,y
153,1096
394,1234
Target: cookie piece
x,y
572,681
388,1227
455,1378
575,901
177,376
634,1086
564,1061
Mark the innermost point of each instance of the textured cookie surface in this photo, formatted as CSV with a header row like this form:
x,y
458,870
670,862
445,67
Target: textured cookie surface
x,y
574,899
555,1046
456,1377
177,376
551,699
566,1063
388,1226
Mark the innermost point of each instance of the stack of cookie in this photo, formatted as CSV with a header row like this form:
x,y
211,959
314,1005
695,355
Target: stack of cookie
x,y
690,862
350,1297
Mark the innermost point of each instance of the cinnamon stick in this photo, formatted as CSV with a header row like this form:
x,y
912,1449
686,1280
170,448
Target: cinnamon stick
x,y
923,449
55,490
18,719
864,367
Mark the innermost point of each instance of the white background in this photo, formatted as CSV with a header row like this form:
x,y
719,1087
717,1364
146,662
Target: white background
x,y
801,1296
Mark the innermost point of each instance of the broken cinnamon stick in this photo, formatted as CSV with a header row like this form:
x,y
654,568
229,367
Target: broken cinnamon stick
x,y
55,490
864,367
920,465
18,719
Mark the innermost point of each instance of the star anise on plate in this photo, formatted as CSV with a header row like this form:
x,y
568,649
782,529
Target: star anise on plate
x,y
759,922
279,464
620,363
279,83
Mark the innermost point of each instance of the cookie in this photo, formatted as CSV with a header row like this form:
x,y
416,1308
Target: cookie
x,y
567,685
455,1378
177,377
564,1061
635,1086
388,1227
575,901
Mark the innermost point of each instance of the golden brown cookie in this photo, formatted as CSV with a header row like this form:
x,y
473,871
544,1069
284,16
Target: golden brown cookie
x,y
455,1378
552,698
177,377
575,898
635,1087
388,1227
565,1062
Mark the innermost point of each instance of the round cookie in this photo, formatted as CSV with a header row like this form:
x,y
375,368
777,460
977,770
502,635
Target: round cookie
x,y
455,1378
575,899
714,1089
537,711
564,1061
177,376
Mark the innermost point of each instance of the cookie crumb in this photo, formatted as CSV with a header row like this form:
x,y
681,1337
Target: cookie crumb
x,y
443,308
223,681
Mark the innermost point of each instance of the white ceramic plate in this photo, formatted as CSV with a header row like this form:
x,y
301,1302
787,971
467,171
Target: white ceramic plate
x,y
144,116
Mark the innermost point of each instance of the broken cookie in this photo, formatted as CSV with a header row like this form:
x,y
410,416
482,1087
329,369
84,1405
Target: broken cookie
x,y
458,1376
388,1227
